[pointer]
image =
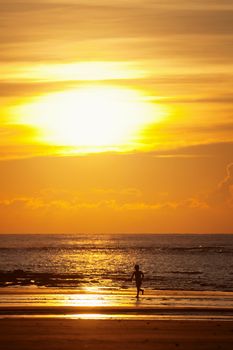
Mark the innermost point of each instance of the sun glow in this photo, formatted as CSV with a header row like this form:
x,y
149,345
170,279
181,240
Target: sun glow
x,y
91,119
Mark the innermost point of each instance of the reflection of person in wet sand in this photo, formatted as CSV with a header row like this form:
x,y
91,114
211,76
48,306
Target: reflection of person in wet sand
x,y
139,275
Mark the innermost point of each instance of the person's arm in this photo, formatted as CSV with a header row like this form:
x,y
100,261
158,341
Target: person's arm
x,y
142,275
132,276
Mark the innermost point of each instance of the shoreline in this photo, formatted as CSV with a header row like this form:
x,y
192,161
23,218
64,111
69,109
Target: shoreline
x,y
105,290
42,302
118,313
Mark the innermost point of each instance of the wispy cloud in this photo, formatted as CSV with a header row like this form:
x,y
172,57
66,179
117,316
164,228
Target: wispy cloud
x,y
223,194
119,210
179,53
122,199
39,203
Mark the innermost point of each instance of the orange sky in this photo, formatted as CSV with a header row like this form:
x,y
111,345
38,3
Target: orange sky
x,y
116,116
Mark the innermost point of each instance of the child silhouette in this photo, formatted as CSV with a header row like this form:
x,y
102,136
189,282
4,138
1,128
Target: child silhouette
x,y
138,275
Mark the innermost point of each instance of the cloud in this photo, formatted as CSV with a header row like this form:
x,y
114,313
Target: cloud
x,y
108,21
128,207
222,196
52,199
225,187
184,46
26,150
23,89
10,150
190,203
211,49
214,149
218,99
14,133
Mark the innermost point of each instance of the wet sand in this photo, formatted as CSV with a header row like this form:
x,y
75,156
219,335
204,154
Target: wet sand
x,y
69,334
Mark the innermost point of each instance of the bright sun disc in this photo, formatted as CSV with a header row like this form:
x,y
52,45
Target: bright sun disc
x,y
92,118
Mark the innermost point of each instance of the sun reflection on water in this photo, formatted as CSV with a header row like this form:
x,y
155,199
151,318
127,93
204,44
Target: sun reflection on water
x,y
87,300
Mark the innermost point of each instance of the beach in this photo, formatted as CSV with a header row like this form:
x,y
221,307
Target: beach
x,y
68,334
40,318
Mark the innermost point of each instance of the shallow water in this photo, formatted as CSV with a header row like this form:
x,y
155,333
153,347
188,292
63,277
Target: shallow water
x,y
99,304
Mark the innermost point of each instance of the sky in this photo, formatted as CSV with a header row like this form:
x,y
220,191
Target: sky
x,y
116,116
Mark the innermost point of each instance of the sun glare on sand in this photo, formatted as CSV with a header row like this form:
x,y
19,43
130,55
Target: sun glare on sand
x,y
91,119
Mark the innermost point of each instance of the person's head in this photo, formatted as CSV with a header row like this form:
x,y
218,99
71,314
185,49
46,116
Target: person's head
x,y
136,267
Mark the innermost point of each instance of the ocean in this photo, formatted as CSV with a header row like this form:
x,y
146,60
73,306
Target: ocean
x,y
185,262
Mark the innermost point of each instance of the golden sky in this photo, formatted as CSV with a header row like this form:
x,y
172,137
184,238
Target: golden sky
x,y
116,116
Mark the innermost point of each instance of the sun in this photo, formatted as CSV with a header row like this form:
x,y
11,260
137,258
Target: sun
x,y
91,119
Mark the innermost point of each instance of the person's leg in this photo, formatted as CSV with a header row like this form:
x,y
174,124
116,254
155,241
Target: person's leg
x,y
139,284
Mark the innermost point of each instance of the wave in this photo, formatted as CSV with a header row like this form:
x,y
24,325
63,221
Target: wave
x,y
51,279
179,280
186,272
191,249
26,278
70,248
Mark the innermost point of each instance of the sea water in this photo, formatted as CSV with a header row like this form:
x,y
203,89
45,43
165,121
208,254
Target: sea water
x,y
169,261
